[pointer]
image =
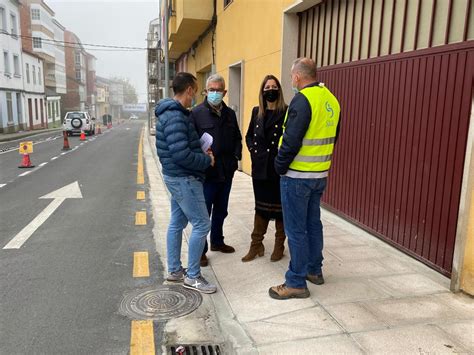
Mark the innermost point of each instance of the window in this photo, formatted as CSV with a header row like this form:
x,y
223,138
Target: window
x,y
34,75
27,73
6,62
78,58
16,65
35,14
39,76
14,30
78,74
227,3
3,20
37,42
9,107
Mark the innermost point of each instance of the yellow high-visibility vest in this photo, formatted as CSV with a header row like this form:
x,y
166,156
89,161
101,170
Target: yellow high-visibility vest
x,y
315,155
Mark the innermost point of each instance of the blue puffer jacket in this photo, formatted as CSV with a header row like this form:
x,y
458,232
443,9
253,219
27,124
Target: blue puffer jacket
x,y
177,142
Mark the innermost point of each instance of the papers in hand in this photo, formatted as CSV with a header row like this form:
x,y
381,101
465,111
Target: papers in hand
x,y
206,142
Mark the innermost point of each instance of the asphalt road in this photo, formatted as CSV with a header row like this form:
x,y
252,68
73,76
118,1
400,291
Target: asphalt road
x,y
61,290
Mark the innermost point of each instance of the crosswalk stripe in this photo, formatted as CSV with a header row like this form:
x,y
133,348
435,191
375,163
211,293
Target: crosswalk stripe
x,y
140,264
142,341
140,218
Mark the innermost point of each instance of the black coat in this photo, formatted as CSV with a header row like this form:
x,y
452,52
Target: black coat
x,y
227,140
262,140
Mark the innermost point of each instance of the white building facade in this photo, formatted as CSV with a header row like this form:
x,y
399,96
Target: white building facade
x,y
12,117
34,95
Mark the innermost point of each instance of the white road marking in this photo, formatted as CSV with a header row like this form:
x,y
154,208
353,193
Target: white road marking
x,y
81,144
26,173
68,191
63,153
54,158
43,164
1,185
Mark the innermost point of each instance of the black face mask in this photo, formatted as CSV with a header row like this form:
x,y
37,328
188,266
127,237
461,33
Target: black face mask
x,y
271,95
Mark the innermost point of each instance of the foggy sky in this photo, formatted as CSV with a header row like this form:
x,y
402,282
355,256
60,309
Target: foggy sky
x,y
118,23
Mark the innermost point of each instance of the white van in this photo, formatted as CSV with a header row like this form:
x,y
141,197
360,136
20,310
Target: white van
x,y
77,121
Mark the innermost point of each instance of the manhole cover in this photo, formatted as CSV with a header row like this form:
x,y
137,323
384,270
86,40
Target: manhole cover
x,y
161,303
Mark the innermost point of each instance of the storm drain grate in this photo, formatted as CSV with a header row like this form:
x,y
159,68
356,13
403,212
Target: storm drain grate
x,y
195,349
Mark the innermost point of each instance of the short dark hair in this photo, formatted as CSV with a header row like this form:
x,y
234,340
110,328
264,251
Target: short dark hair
x,y
182,81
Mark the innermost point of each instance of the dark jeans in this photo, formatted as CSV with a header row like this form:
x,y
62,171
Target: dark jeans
x,y
217,200
300,200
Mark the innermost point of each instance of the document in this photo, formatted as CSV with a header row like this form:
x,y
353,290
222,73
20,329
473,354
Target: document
x,y
206,142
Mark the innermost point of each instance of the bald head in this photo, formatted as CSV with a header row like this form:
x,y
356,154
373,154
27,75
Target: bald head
x,y
305,68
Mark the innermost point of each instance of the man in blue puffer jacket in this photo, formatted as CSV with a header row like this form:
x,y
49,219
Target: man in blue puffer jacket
x,y
183,166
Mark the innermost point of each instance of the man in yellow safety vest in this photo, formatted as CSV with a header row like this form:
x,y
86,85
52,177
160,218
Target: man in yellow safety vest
x,y
304,158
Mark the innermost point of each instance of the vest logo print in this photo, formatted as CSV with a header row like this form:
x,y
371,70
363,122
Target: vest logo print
x,y
329,109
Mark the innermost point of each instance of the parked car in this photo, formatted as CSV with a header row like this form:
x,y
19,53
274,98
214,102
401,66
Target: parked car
x,y
77,121
133,117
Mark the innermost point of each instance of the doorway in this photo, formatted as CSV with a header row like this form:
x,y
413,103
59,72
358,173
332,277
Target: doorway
x,y
235,94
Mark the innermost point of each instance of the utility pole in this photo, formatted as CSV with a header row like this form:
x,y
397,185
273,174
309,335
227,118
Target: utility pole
x,y
167,63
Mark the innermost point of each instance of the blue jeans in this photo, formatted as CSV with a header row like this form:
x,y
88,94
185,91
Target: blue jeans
x,y
217,202
187,204
300,199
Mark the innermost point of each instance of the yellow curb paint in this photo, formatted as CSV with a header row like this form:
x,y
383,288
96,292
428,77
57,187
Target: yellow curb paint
x,y
142,341
140,264
140,175
140,218
140,195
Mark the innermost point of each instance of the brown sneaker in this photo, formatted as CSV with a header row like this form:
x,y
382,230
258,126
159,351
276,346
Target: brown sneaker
x,y
315,279
227,249
204,262
282,292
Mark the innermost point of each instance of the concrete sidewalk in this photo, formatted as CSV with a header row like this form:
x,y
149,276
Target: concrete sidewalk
x,y
375,299
7,137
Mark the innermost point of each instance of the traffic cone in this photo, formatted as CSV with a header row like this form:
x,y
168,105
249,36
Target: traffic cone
x,y
26,162
99,131
66,142
83,136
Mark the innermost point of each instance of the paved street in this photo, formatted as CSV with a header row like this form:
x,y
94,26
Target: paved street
x,y
61,290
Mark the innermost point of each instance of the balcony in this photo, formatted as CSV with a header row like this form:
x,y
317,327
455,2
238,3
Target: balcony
x,y
190,19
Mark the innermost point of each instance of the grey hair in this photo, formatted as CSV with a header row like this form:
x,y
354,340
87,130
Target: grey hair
x,y
306,67
215,78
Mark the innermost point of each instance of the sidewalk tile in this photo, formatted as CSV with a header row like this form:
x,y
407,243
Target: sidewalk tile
x,y
409,285
412,310
358,253
458,301
344,291
336,344
343,240
354,317
302,324
356,269
462,332
420,339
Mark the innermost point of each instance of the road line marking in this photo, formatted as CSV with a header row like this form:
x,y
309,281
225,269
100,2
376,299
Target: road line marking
x,y
54,158
82,143
140,195
63,153
140,218
43,164
142,340
140,264
26,173
140,175
1,185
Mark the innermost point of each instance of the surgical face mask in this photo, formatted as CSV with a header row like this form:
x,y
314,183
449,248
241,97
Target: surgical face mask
x,y
215,97
270,95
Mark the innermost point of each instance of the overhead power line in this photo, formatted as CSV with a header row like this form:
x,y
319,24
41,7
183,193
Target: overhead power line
x,y
66,44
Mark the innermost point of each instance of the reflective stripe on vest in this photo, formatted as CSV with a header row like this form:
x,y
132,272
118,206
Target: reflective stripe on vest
x,y
315,155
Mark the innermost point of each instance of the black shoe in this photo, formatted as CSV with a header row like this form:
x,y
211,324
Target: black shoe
x,y
227,249
315,279
204,262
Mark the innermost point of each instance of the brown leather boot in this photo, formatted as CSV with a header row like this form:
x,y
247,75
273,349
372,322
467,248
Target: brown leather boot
x,y
279,241
260,226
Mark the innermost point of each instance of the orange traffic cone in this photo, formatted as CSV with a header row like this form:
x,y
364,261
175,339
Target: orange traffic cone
x,y
26,162
83,136
66,142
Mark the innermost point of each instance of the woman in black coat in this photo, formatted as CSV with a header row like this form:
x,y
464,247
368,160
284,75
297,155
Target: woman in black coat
x,y
263,135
